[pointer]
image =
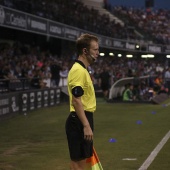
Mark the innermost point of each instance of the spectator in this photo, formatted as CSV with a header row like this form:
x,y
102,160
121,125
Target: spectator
x,y
105,81
46,76
136,85
63,76
167,79
158,82
96,78
128,93
37,79
55,73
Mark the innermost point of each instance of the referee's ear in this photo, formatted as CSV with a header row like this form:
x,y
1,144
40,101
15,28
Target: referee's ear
x,y
77,91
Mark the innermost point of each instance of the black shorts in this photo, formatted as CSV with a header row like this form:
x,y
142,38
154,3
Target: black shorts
x,y
79,148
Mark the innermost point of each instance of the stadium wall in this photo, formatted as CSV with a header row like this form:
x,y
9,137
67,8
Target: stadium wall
x,y
26,101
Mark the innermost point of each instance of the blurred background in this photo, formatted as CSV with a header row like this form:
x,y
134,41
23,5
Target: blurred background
x,y
37,45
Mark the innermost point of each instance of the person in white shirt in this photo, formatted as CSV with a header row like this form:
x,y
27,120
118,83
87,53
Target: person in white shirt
x,y
167,79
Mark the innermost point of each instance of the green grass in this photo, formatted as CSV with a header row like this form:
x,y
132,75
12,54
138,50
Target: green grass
x,y
38,141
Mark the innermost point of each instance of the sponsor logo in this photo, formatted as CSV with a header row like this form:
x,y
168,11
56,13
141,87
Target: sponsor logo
x,y
32,100
39,99
24,98
14,106
45,98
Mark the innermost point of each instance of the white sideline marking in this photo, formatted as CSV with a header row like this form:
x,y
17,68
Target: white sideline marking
x,y
129,159
154,153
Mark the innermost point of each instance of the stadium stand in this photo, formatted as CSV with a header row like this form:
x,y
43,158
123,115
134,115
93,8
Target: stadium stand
x,y
152,24
25,62
99,5
91,20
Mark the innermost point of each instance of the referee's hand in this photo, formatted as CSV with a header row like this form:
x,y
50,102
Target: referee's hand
x,y
88,133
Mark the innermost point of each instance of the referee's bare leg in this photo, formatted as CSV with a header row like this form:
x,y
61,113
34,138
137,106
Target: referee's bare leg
x,y
78,165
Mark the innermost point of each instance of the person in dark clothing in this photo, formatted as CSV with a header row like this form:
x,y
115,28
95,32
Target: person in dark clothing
x,y
104,81
136,86
35,80
79,124
55,74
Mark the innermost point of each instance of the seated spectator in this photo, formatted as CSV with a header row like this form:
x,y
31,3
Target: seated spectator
x,y
128,93
151,93
8,74
37,80
163,90
158,82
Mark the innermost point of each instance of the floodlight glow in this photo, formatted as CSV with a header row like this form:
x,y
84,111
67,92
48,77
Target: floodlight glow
x,y
129,55
102,54
137,46
111,54
150,56
144,56
119,55
167,56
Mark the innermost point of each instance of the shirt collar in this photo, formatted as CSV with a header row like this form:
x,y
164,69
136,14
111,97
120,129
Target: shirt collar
x,y
81,63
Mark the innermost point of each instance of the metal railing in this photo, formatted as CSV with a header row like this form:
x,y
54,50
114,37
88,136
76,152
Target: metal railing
x,y
14,85
22,84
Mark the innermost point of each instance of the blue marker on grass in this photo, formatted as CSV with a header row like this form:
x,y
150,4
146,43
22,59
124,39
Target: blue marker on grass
x,y
112,140
139,122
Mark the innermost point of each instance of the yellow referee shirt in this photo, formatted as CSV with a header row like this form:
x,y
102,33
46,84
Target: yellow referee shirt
x,y
79,76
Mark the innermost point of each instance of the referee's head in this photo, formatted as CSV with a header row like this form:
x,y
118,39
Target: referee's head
x,y
88,47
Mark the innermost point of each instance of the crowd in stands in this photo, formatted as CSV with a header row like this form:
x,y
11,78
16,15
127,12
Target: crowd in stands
x,y
73,13
158,73
20,63
41,69
153,24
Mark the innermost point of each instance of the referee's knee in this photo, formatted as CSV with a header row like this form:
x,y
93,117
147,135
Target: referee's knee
x,y
78,165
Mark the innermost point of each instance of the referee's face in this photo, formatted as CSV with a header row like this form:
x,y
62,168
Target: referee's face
x,y
94,49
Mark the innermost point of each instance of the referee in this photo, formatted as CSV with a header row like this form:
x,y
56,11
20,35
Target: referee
x,y
79,124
